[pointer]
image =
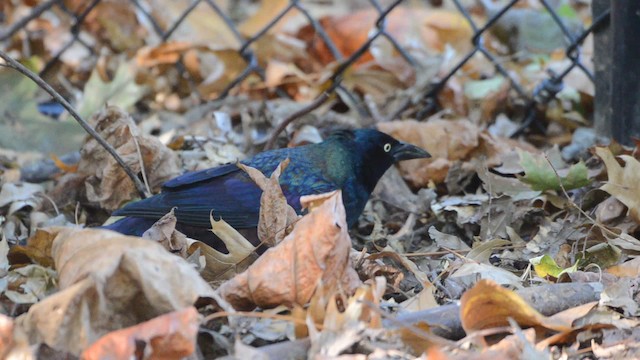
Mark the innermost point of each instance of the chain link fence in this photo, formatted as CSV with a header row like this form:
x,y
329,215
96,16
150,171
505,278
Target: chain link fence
x,y
77,13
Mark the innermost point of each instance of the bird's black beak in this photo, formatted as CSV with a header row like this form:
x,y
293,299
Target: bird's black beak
x,y
404,151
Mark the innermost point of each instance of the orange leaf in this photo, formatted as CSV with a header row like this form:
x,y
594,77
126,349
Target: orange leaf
x,y
63,166
169,336
317,250
488,305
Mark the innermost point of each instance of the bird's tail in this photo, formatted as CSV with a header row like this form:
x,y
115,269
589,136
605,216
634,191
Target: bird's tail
x,y
130,225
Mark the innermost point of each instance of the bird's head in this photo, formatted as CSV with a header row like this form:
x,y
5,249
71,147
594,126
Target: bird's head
x,y
374,152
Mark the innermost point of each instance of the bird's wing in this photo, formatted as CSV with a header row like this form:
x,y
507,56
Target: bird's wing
x,y
228,192
191,178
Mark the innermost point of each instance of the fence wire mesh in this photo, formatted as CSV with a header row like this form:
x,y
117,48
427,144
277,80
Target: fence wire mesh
x,y
22,33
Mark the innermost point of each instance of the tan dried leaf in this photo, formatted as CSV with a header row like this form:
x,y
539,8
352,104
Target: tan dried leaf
x,y
106,182
288,274
488,305
164,232
13,342
623,181
117,281
169,336
222,266
276,215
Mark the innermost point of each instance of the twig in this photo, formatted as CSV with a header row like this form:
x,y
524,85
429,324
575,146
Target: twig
x,y
305,110
223,314
46,87
134,136
436,253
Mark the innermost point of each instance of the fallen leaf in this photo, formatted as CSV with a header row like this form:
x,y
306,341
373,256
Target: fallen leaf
x,y
317,250
622,181
221,266
489,305
609,210
19,195
267,11
121,91
105,181
545,266
540,174
30,284
164,232
13,342
411,27
276,215
630,268
167,53
488,272
118,281
168,336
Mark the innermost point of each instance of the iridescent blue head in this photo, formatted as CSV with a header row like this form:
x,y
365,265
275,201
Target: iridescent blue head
x,y
374,152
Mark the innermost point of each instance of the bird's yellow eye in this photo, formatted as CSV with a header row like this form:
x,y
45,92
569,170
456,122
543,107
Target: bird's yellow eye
x,y
387,147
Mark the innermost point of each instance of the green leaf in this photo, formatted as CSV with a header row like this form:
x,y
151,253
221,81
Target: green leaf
x,y
566,11
122,91
481,89
23,127
540,175
545,266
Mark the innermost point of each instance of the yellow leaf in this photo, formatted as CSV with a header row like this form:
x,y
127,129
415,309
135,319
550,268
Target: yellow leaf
x,y
488,305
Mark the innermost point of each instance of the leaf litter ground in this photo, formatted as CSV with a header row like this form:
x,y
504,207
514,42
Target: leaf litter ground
x,y
523,247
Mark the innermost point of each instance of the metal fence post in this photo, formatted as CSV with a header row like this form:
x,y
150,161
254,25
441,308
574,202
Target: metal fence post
x,y
617,65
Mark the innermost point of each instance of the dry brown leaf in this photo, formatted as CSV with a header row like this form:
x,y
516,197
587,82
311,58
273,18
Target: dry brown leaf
x,y
361,306
496,149
340,314
609,210
165,53
164,232
202,27
38,249
117,281
369,268
630,268
105,182
276,215
430,27
13,342
488,305
222,67
268,10
316,251
623,181
222,266
169,336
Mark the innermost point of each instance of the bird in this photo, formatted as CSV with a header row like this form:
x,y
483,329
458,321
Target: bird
x,y
349,160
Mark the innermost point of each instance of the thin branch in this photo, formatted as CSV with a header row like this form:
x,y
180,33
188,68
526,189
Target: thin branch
x,y
46,87
305,110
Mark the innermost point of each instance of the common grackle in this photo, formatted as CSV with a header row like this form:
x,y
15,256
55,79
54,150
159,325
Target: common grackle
x,y
351,160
